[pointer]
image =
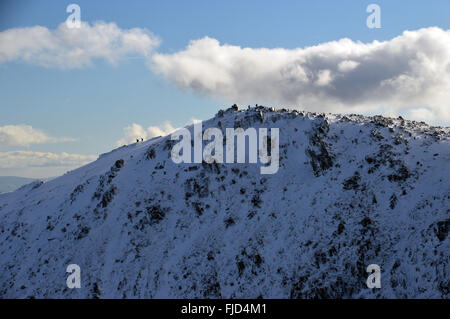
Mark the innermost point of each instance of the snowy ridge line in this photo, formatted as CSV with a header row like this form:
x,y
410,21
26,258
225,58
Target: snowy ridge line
x,y
350,191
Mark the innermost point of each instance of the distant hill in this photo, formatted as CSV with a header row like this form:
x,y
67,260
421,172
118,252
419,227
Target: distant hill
x,y
11,183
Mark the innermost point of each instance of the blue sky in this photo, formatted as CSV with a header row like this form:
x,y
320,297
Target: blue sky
x,y
93,104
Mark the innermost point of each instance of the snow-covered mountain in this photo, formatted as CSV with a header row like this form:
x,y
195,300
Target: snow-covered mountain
x,y
350,191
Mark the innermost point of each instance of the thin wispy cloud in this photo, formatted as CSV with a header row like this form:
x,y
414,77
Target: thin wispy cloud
x,y
24,159
409,74
68,48
25,135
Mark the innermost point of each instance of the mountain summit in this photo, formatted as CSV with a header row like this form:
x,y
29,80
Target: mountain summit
x,y
350,191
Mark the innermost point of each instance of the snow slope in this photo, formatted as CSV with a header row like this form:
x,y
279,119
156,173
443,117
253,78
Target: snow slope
x,y
351,191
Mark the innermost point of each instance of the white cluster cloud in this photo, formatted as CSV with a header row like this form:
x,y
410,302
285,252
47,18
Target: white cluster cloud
x,y
25,135
23,159
74,47
136,131
408,75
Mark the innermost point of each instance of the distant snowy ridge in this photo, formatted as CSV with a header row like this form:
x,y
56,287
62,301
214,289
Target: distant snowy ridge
x,y
350,191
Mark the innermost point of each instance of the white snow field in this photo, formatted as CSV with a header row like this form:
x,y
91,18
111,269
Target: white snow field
x,y
350,191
